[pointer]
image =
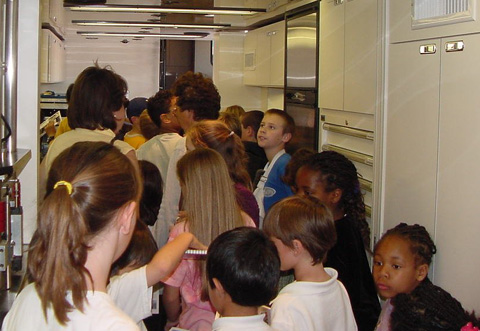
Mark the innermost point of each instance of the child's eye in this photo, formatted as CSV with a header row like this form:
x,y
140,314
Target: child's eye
x,y
262,125
271,127
377,263
396,266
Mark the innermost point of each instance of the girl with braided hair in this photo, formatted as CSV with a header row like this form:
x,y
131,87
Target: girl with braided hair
x,y
400,270
332,178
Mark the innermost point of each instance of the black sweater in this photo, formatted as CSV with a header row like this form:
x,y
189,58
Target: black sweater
x,y
349,258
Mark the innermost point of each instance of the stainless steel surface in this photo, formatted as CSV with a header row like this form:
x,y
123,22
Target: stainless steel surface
x,y
428,49
12,163
454,46
364,134
301,81
10,88
365,184
301,51
349,154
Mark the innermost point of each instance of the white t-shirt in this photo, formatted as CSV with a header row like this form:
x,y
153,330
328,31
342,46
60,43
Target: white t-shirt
x,y
171,198
313,306
243,323
100,313
158,150
131,294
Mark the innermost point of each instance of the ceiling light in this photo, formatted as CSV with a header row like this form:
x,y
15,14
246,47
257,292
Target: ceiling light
x,y
158,9
149,25
133,35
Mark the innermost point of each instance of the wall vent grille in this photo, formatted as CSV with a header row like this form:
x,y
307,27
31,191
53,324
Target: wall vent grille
x,y
437,8
427,13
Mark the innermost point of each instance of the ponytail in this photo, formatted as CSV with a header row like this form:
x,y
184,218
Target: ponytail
x,y
57,257
87,185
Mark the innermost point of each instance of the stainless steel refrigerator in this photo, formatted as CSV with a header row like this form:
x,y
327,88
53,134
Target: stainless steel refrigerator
x,y
301,71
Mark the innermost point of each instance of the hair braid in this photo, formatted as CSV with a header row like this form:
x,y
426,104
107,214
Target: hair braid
x,y
428,307
337,172
421,244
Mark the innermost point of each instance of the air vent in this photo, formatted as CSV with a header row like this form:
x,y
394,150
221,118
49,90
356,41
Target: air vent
x,y
428,13
249,62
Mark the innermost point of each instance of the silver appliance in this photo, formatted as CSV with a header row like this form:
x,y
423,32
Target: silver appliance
x,y
301,71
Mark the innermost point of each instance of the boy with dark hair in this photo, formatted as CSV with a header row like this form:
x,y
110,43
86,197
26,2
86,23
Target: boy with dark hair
x,y
159,149
276,130
197,99
135,107
256,155
242,271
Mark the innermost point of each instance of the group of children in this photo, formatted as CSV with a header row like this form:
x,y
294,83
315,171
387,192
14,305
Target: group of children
x,y
92,265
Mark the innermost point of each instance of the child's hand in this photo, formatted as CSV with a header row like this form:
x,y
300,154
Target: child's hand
x,y
196,244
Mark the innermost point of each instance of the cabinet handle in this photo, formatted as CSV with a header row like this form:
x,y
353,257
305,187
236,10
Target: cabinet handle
x,y
428,49
454,46
337,2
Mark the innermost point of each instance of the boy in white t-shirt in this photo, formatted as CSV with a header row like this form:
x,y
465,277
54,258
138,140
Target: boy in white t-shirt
x,y
242,273
303,231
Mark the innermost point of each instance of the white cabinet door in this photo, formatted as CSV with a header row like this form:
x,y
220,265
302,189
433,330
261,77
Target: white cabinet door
x,y
267,46
348,55
52,58
457,230
250,58
360,56
332,59
411,135
277,54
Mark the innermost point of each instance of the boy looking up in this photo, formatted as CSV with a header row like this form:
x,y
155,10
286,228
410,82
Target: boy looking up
x,y
276,130
242,273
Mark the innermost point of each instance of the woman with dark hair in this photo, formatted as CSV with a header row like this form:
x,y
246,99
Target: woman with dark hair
x,y
96,112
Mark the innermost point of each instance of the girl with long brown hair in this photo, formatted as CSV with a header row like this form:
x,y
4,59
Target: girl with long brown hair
x,y
216,135
210,209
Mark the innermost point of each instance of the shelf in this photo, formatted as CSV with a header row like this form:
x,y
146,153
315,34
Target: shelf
x,y
13,163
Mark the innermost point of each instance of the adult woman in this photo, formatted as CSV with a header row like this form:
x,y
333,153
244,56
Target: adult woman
x,y
95,113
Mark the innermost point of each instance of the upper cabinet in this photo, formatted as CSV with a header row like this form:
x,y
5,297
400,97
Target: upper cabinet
x,y
53,13
264,57
348,55
52,43
52,58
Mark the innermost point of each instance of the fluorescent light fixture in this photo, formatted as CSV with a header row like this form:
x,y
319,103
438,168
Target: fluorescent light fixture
x,y
159,9
136,35
149,24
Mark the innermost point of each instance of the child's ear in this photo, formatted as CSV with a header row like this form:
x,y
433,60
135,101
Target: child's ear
x,y
297,246
126,218
164,118
286,137
250,131
336,196
422,272
219,288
